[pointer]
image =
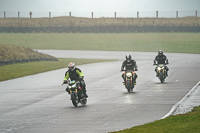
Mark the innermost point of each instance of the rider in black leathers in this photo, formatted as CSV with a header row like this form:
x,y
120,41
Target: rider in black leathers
x,y
161,59
129,64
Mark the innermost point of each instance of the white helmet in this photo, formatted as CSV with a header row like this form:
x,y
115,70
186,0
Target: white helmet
x,y
71,66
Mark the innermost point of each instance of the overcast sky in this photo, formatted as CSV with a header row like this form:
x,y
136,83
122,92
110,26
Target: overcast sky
x,y
98,5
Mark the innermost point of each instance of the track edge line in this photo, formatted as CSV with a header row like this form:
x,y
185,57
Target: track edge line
x,y
174,107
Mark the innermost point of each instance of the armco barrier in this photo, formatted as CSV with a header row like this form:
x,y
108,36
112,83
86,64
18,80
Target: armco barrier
x,y
59,29
37,29
29,29
101,29
12,61
45,29
96,29
22,30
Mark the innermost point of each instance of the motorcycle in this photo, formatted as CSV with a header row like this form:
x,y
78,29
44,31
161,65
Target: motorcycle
x,y
76,93
161,71
130,80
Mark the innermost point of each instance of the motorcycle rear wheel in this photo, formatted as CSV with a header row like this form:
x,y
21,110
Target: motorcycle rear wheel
x,y
83,101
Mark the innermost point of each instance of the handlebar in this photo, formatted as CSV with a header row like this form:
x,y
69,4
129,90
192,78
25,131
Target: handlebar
x,y
159,64
65,82
126,70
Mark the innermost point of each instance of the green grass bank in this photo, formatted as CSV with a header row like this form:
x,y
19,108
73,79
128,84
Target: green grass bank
x,y
184,123
142,42
24,69
8,52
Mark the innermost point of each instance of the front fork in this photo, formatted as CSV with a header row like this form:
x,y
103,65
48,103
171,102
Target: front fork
x,y
125,78
158,72
71,91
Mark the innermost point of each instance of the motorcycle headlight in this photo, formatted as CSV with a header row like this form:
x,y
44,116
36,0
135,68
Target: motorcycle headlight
x,y
159,68
128,74
74,86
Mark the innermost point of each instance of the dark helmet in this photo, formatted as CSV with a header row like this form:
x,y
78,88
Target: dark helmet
x,y
128,57
160,52
71,66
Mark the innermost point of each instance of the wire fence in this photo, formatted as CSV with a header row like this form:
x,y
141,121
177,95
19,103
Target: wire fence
x,y
136,14
94,22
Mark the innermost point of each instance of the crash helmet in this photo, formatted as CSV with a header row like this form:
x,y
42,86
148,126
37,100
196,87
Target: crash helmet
x,y
128,57
160,52
71,66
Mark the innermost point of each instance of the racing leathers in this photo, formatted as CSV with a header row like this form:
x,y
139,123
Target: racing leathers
x,y
129,66
77,75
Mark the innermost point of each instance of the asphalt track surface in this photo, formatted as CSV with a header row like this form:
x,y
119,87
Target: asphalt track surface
x,y
39,103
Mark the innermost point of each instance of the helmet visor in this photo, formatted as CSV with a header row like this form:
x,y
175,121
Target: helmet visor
x,y
128,59
70,67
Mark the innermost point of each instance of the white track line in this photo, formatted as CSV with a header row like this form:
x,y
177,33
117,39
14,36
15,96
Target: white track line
x,y
177,104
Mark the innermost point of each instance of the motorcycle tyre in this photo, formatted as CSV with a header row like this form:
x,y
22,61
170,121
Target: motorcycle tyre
x,y
74,99
128,86
161,77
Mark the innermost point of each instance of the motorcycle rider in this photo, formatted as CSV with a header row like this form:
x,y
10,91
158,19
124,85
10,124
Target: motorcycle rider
x,y
129,64
76,74
161,59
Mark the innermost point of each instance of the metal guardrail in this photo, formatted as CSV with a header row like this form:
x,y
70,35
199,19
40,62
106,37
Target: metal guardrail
x,y
101,29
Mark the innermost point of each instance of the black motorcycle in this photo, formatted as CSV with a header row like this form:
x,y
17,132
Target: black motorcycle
x,y
76,93
129,80
161,71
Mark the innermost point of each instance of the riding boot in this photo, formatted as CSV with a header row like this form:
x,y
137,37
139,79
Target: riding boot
x,y
123,79
134,78
67,90
157,74
85,94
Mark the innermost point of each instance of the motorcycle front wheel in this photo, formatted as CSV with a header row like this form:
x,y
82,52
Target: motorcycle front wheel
x,y
74,99
128,86
161,77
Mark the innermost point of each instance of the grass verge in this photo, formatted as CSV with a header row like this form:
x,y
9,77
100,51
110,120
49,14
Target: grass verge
x,y
184,123
143,42
23,69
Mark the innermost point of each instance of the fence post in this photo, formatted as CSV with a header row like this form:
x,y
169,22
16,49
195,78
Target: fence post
x,y
70,14
49,14
137,14
4,14
18,15
156,14
176,14
196,13
30,15
115,14
92,14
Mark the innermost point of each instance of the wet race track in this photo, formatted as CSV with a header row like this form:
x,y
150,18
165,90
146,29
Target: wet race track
x,y
39,103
